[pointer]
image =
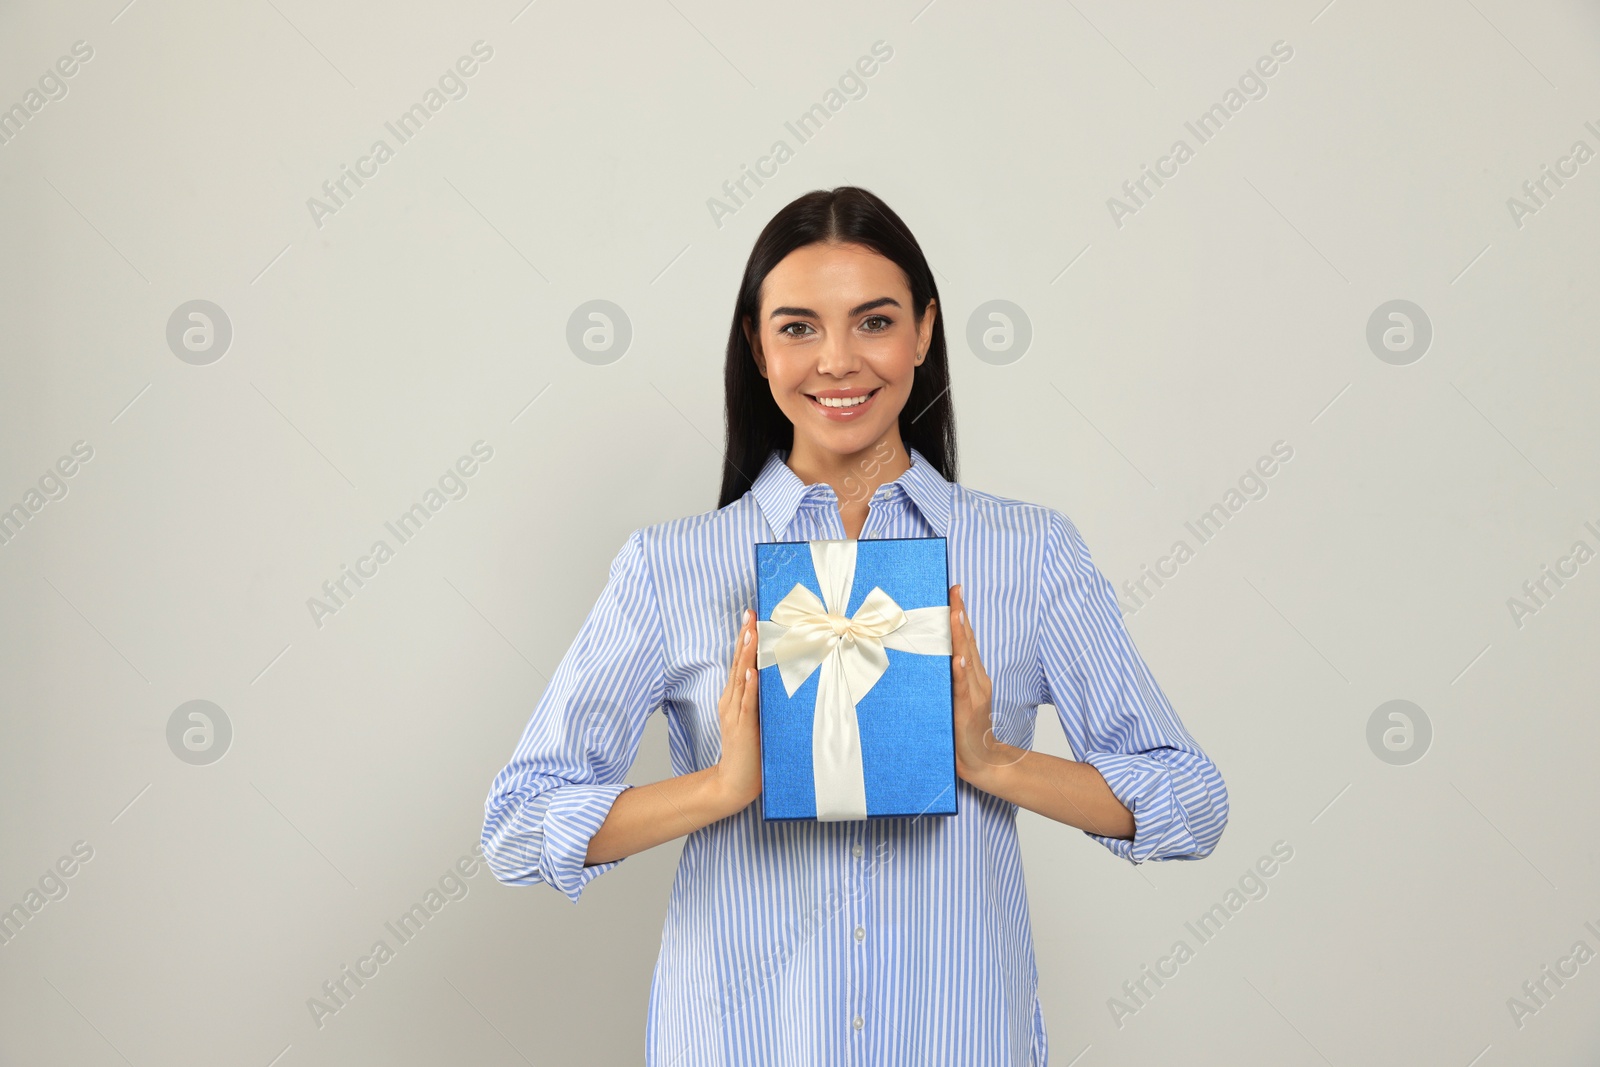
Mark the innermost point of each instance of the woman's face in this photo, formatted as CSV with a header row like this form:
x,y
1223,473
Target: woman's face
x,y
836,325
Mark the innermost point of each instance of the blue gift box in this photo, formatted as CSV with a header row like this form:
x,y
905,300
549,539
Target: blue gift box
x,y
854,657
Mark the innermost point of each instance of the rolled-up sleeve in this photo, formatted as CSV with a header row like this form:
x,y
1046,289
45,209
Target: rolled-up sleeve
x,y
1116,717
547,803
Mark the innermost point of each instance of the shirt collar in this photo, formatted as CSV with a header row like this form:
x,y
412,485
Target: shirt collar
x,y
779,492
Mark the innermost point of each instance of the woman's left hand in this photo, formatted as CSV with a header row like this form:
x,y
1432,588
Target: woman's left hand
x,y
978,751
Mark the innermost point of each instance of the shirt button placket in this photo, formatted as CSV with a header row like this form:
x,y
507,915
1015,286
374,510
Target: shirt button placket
x,y
855,924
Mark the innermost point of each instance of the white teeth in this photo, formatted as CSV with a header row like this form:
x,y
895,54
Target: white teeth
x,y
843,401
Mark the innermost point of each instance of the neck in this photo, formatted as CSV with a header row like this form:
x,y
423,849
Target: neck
x,y
854,476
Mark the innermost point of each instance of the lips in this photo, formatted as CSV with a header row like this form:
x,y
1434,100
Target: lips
x,y
843,414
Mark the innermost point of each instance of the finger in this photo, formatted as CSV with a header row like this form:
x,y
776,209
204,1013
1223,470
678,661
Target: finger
x,y
964,619
733,699
972,668
974,724
749,650
957,683
752,692
958,647
970,683
739,649
966,645
962,683
733,666
971,732
957,612
969,639
980,674
744,708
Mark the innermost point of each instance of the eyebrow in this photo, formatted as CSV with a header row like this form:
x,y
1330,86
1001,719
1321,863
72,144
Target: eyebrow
x,y
882,301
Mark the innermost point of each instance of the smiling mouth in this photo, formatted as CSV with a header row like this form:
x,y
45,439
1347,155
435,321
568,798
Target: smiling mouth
x,y
844,405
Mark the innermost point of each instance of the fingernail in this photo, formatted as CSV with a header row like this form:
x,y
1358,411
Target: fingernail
x,y
963,660
747,637
747,673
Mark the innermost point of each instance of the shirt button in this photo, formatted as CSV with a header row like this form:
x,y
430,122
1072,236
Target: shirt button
x,y
858,1024
860,933
855,850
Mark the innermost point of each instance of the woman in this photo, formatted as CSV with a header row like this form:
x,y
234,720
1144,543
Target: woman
x,y
899,940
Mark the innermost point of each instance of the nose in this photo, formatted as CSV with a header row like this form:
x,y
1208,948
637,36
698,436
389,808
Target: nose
x,y
837,356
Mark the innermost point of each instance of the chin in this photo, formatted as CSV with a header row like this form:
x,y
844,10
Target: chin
x,y
852,440
846,438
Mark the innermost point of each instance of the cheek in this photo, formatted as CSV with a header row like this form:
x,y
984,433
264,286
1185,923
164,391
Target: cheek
x,y
785,373
781,378
899,366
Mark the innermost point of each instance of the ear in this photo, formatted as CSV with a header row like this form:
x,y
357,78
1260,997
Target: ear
x,y
753,339
925,333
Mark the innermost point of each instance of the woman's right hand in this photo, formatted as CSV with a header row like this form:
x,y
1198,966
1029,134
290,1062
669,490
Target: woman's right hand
x,y
738,714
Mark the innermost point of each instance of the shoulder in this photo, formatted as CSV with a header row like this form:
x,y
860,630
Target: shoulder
x,y
1048,528
688,535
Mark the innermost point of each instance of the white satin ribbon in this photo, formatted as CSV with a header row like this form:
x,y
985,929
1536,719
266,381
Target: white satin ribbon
x,y
806,634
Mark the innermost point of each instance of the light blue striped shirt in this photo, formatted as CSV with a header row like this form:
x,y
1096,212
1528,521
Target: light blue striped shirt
x,y
886,941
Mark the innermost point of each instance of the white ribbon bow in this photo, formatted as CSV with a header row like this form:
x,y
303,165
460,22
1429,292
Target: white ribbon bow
x,y
806,633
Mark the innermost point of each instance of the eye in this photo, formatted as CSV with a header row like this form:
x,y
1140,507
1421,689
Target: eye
x,y
887,322
784,329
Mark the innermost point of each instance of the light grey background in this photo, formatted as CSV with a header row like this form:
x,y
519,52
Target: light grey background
x,y
1167,355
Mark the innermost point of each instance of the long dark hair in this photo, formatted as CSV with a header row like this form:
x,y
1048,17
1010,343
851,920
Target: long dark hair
x,y
755,424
